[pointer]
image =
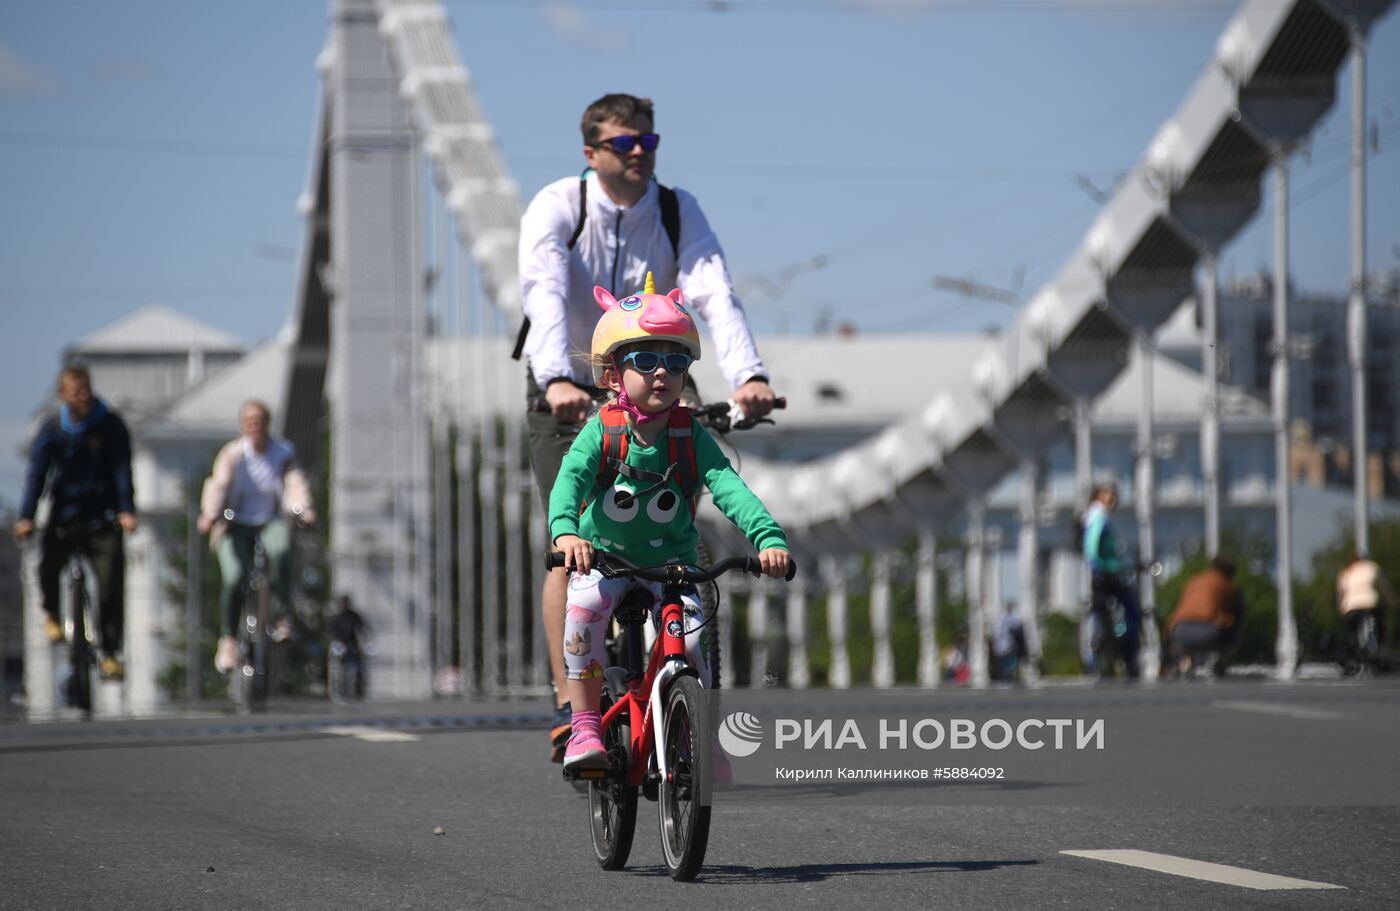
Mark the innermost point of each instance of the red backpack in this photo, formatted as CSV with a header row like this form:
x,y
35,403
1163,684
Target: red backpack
x,y
680,450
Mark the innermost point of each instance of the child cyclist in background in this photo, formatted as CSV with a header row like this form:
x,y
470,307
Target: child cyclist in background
x,y
635,504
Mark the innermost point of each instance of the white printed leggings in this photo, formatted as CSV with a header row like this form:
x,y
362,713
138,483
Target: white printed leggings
x,y
591,601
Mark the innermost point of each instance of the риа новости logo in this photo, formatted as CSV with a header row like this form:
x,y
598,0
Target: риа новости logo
x,y
741,734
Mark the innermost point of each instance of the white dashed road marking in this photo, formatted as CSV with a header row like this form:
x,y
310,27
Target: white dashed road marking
x,y
1290,711
371,735
1199,869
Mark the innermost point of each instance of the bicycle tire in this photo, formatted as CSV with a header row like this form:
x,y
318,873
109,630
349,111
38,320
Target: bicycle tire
x,y
686,740
259,682
612,802
80,674
709,609
248,681
1367,643
80,655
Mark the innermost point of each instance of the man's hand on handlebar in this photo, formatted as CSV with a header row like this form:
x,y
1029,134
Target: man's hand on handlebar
x,y
755,397
568,403
578,553
775,562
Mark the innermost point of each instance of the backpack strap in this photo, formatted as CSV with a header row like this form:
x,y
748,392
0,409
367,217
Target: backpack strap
x,y
573,239
582,209
614,454
671,219
680,450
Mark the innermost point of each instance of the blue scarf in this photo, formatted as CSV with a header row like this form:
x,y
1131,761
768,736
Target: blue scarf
x,y
95,414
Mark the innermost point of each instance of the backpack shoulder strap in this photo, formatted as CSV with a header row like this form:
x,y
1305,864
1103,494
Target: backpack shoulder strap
x,y
573,239
671,218
680,451
582,209
614,453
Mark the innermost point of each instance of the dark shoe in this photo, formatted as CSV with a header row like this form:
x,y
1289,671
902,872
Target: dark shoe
x,y
560,729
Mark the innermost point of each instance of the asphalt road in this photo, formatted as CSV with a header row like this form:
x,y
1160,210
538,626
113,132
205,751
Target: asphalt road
x,y
321,807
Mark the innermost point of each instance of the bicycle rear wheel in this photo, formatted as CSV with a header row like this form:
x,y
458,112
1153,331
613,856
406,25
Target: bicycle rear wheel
x,y
709,604
686,740
612,802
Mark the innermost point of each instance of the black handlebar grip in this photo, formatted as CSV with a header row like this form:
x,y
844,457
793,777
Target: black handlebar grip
x,y
754,566
780,402
554,560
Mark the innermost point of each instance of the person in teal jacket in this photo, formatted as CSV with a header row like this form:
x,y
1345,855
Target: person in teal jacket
x,y
642,348
1101,549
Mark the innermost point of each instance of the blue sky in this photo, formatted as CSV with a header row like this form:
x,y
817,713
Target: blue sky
x,y
153,150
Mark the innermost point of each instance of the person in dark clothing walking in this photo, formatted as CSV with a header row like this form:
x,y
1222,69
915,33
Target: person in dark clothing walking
x,y
82,458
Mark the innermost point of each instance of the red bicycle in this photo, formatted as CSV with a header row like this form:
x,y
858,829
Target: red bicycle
x,y
658,723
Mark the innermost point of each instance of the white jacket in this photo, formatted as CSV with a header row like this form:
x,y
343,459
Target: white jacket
x,y
616,249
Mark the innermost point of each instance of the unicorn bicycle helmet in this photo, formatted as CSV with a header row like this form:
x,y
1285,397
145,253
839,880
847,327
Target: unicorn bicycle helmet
x,y
647,316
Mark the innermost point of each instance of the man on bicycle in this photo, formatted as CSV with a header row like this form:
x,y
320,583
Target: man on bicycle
x,y
83,456
609,227
256,477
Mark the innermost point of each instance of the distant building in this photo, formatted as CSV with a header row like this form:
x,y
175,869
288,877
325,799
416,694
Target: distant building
x,y
1320,383
151,357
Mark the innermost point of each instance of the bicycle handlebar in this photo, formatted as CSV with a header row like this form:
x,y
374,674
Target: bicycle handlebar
x,y
612,566
83,529
230,515
720,416
726,416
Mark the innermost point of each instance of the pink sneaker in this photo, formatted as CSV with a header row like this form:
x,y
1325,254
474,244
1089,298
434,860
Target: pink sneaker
x,y
585,751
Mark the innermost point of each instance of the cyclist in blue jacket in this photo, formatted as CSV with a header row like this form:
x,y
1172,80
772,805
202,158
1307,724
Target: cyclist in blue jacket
x,y
82,456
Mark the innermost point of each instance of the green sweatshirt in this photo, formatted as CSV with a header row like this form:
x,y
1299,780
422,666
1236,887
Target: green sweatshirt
x,y
657,527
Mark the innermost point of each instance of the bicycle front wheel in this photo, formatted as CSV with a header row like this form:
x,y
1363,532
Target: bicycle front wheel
x,y
612,802
684,804
81,654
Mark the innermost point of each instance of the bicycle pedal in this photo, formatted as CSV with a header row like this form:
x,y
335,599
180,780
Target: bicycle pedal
x,y
585,774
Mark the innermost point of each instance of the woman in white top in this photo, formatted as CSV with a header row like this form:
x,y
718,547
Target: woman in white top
x,y
257,478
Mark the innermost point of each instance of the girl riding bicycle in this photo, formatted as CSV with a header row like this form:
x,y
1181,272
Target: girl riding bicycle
x,y
633,502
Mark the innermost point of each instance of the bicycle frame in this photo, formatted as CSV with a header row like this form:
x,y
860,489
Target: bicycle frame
x,y
80,615
669,721
645,697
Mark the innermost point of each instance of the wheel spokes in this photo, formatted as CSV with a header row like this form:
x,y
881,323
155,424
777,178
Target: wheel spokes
x,y
681,785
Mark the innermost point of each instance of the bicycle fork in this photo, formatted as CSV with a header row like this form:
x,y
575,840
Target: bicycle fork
x,y
673,665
